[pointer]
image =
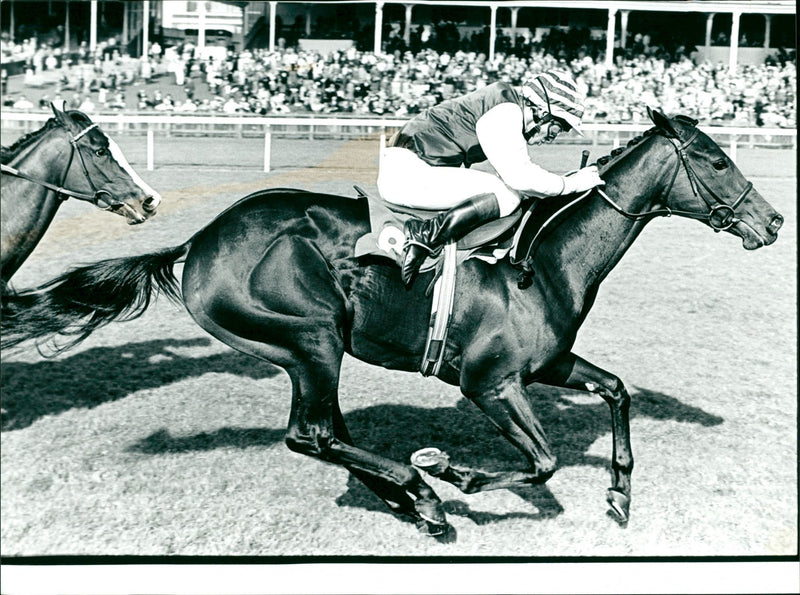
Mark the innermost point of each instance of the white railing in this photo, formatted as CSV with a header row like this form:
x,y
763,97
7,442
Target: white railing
x,y
264,125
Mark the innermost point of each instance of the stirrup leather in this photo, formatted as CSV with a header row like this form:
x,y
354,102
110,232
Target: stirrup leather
x,y
441,313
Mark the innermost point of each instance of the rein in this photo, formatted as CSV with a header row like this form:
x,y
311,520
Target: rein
x,y
99,197
721,216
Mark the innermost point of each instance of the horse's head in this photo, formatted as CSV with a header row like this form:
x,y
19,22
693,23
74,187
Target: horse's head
x,y
102,171
708,186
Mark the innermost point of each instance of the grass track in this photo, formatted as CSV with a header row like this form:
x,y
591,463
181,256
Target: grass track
x,y
152,438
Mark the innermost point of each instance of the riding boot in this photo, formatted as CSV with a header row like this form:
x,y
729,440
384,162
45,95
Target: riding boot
x,y
426,237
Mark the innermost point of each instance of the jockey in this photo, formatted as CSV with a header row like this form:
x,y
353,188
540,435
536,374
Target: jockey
x,y
421,166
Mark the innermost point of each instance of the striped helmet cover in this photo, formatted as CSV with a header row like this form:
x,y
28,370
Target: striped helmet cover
x,y
557,92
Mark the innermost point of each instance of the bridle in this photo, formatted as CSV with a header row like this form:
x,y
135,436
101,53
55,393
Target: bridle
x,y
721,215
99,198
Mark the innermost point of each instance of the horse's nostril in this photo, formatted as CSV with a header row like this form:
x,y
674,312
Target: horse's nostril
x,y
775,224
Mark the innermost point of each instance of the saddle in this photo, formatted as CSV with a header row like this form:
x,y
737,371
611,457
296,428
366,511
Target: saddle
x,y
490,241
517,235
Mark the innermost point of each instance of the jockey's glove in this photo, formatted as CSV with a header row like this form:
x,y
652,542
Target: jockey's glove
x,y
582,180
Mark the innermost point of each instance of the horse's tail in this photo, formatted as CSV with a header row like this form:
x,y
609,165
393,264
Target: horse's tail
x,y
80,301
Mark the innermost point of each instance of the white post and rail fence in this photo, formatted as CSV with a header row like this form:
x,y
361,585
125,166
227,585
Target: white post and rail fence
x,y
596,133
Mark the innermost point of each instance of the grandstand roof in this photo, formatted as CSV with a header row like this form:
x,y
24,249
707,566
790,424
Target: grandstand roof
x,y
705,6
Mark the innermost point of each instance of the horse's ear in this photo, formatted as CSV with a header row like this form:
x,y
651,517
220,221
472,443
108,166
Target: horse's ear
x,y
661,121
59,106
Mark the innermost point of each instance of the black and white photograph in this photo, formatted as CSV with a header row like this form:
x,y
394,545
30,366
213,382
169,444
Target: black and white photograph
x,y
303,286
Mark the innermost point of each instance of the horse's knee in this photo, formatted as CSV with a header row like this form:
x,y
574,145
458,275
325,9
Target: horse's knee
x,y
619,398
612,390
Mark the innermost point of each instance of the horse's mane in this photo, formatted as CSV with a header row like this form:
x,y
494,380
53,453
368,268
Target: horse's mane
x,y
614,157
8,153
616,154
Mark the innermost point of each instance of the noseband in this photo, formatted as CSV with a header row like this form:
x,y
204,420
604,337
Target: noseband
x,y
102,199
720,217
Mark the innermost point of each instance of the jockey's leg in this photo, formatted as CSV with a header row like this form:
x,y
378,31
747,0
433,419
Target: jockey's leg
x,y
406,180
427,236
473,197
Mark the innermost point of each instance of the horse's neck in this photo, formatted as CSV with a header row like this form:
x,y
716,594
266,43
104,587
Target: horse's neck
x,y
45,160
599,235
28,208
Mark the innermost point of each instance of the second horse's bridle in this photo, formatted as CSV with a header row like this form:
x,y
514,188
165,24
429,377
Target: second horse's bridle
x,y
102,199
721,215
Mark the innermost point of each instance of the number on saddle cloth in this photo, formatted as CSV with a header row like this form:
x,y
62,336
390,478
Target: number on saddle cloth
x,y
386,236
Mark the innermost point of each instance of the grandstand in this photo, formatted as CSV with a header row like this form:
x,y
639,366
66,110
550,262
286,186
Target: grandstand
x,y
725,63
747,30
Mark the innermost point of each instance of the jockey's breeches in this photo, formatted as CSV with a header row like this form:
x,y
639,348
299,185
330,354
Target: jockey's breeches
x,y
405,179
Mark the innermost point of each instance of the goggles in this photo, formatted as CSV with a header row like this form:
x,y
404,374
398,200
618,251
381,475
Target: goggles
x,y
550,126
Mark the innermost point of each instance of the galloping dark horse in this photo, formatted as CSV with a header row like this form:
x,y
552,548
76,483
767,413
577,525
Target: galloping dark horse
x,y
40,172
274,276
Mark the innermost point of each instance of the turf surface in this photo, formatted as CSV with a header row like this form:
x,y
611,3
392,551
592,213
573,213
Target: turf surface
x,y
152,438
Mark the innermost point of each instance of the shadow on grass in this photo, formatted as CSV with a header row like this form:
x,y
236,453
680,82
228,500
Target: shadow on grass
x,y
471,440
100,375
395,431
105,374
162,442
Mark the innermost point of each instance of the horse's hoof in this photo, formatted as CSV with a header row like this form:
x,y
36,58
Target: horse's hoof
x,y
430,511
433,529
431,460
431,519
619,504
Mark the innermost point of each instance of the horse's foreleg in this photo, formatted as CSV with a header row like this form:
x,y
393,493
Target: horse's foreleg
x,y
509,410
575,372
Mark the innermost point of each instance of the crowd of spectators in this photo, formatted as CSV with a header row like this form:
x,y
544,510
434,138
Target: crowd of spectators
x,y
402,82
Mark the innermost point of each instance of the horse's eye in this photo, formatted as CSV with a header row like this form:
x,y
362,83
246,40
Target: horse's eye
x,y
101,152
720,164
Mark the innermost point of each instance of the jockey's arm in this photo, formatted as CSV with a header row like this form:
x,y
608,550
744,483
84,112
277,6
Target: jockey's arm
x,y
499,132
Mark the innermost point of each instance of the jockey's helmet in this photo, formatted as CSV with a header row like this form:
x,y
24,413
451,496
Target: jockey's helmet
x,y
556,93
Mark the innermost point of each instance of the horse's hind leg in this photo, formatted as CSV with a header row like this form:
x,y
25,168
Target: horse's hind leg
x,y
317,429
575,372
296,321
395,497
